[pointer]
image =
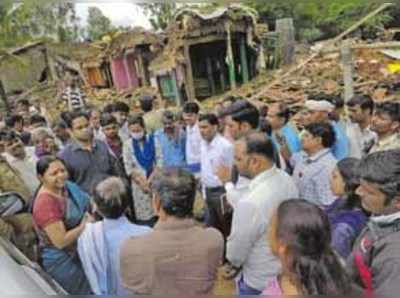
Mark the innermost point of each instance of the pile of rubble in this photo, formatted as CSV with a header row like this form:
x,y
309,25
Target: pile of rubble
x,y
374,74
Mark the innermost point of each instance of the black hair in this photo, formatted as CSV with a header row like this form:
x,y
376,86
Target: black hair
x,y
10,135
364,101
3,133
37,119
177,190
44,163
315,269
23,102
323,130
13,119
392,109
136,119
111,197
120,106
75,115
259,143
60,124
168,116
236,107
146,103
265,126
284,112
107,119
248,115
383,168
191,107
210,118
348,169
109,108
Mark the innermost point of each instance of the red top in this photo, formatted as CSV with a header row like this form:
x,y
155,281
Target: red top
x,y
47,210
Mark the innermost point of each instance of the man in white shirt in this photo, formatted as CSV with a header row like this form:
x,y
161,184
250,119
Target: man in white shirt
x,y
248,249
242,118
361,138
22,160
193,137
215,151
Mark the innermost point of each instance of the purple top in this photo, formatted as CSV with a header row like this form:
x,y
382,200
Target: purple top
x,y
346,226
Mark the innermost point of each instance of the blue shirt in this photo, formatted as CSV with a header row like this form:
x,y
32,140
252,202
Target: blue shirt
x,y
171,151
342,146
88,168
291,137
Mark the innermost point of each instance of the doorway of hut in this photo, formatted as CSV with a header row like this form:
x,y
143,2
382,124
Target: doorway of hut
x,y
211,71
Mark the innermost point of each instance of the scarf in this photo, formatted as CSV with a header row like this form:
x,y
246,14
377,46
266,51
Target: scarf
x,y
146,157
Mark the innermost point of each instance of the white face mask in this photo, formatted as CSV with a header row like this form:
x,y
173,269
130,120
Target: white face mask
x,y
137,135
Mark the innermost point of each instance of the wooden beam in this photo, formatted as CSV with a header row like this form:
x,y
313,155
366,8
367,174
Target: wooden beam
x,y
243,60
285,29
3,96
206,39
189,74
211,81
347,64
374,46
177,92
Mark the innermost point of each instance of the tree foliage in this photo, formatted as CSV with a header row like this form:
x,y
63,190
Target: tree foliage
x,y
160,14
32,20
321,19
98,24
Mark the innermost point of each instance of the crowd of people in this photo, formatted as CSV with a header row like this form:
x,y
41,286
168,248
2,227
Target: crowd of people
x,y
168,201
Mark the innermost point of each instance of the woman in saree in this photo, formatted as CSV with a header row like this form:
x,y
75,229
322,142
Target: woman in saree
x,y
60,215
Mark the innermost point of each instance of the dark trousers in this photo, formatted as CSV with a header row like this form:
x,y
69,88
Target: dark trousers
x,y
219,214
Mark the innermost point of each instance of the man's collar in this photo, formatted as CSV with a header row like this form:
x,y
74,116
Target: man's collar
x,y
177,224
317,155
75,145
263,176
388,139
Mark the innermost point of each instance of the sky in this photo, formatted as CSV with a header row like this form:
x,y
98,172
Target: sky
x,y
120,13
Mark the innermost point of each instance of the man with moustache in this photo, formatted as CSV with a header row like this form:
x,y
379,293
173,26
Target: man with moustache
x,y
88,161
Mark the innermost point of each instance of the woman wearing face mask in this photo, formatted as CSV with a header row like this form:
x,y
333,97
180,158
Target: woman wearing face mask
x,y
139,154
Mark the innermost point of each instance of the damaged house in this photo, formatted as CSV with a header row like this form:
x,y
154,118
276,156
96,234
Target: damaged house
x,y
120,61
130,54
23,68
208,52
88,60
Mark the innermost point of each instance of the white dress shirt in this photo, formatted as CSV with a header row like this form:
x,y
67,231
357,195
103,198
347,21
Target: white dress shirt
x,y
213,155
193,144
26,168
235,192
361,141
248,245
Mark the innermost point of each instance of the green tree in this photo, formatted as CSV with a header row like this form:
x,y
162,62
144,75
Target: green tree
x,y
98,24
320,19
160,14
32,20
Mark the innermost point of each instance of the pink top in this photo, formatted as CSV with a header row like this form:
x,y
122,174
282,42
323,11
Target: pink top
x,y
273,288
